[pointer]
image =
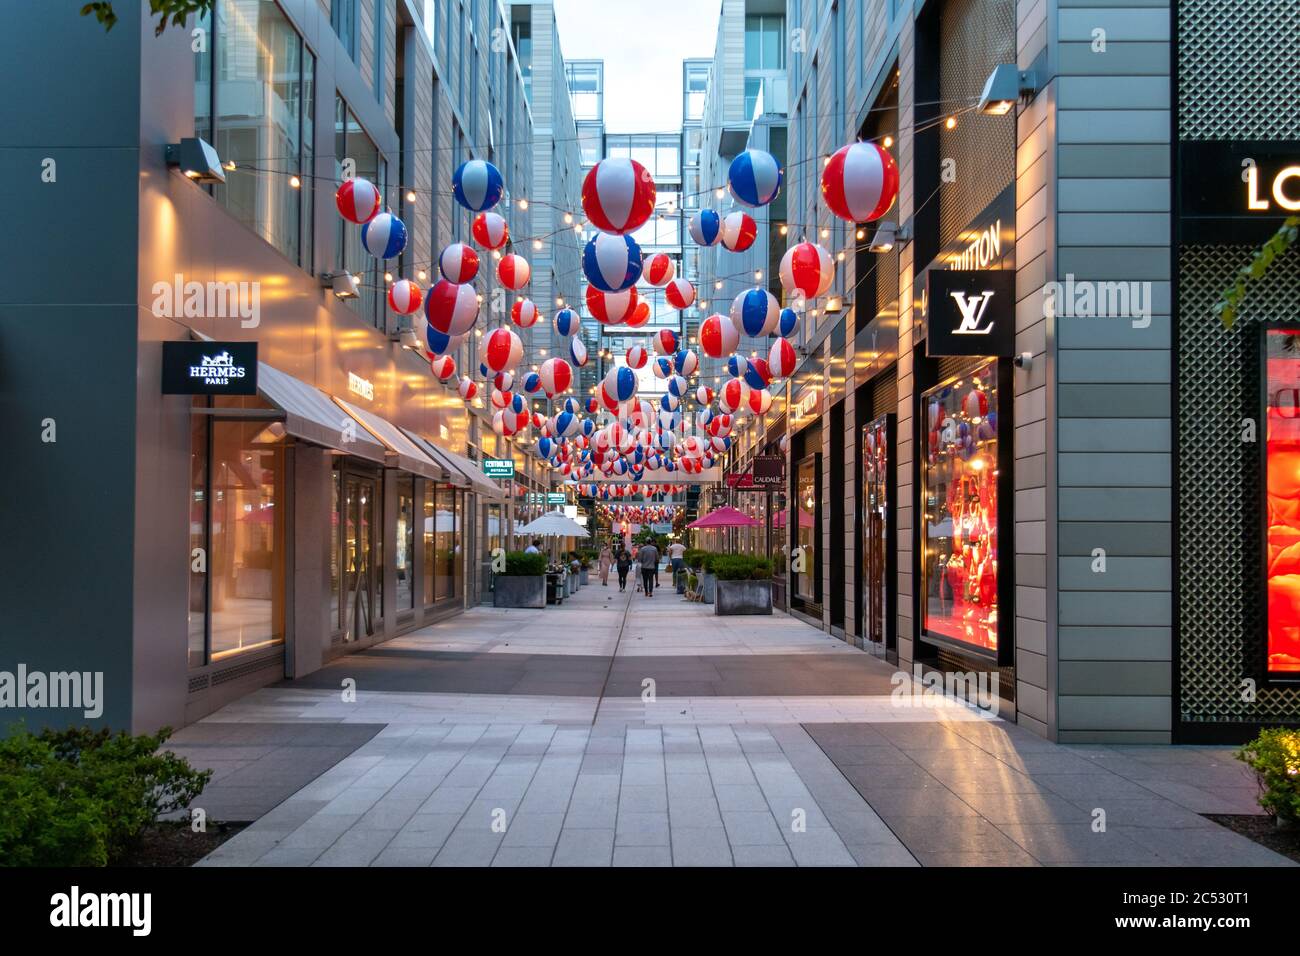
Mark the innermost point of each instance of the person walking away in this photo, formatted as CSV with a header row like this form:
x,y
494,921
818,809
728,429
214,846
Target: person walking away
x,y
649,560
533,548
606,559
636,550
676,554
623,566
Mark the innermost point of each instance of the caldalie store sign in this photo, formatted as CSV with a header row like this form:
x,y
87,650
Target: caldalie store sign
x,y
209,368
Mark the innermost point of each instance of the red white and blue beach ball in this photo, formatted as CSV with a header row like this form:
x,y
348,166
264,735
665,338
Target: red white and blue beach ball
x,y
404,297
451,308
755,312
458,263
704,395
705,228
566,322
807,268
611,263
489,230
663,366
787,323
468,388
611,308
718,336
578,351
781,358
619,384
357,200
757,374
685,362
532,383
860,182
439,343
384,236
754,178
477,185
618,195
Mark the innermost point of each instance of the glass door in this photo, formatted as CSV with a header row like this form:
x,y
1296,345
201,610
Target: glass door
x,y
360,555
877,540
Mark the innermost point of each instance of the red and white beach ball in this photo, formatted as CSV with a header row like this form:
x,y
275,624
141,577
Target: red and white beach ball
x,y
975,404
524,313
640,315
489,230
658,269
501,398
680,294
404,297
468,388
718,336
504,381
444,367
556,376
807,268
664,342
734,395
513,271
458,263
618,195
704,395
781,358
357,200
502,350
611,308
738,231
860,182
759,401
637,356
451,308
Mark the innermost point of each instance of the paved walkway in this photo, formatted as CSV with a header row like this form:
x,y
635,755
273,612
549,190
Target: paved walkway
x,y
623,730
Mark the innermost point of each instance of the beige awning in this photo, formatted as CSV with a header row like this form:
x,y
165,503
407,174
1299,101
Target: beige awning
x,y
465,473
310,415
402,452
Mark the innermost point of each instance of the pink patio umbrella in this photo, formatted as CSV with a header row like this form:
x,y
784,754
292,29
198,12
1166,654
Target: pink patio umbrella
x,y
725,518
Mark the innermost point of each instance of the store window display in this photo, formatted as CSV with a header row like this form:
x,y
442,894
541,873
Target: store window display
x,y
1282,465
961,509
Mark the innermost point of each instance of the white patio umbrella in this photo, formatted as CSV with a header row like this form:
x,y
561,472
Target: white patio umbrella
x,y
555,523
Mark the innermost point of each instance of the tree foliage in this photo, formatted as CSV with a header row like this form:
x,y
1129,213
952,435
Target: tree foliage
x,y
174,11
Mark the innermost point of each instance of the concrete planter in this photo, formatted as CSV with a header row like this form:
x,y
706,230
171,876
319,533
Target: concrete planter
x,y
519,591
570,584
583,577
708,587
743,597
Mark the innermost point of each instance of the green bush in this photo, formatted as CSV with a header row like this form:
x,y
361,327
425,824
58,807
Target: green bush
x,y
740,567
80,797
521,564
1275,757
694,557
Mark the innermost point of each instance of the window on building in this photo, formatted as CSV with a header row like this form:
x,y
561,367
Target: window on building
x,y
523,37
253,100
765,42
753,90
586,90
697,86
345,19
355,154
404,558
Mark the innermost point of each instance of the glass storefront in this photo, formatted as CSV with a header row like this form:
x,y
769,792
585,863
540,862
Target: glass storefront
x,y
960,502
404,555
444,565
1282,481
877,528
807,506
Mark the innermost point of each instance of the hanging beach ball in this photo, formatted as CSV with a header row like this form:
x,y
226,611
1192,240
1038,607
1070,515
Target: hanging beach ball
x,y
662,366
807,268
458,263
477,185
686,362
782,358
705,228
404,297
593,406
577,352
704,395
756,374
754,178
524,313
640,315
718,336
566,322
734,395
677,386
566,425
502,350
680,294
618,195
545,447
618,386
755,312
532,383
357,200
611,263
860,182
637,356
658,269
490,230
504,380
451,308
611,308
556,375
759,400
440,343
665,342
513,271
384,236
787,323
468,388
444,367
738,231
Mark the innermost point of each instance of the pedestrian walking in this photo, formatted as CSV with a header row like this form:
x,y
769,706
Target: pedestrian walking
x,y
606,559
623,565
648,558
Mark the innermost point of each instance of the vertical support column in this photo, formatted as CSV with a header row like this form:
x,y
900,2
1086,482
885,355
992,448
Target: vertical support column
x,y
312,540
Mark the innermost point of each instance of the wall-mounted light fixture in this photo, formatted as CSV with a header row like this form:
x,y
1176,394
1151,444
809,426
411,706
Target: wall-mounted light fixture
x,y
887,235
1005,86
342,284
196,159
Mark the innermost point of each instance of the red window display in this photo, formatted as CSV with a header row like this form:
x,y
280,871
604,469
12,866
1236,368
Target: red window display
x,y
960,497
1282,479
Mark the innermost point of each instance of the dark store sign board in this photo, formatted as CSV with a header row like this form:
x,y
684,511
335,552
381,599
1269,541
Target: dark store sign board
x,y
209,368
768,471
970,313
1228,180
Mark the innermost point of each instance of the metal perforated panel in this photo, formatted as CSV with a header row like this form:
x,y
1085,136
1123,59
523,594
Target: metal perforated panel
x,y
1220,615
975,36
884,392
1238,77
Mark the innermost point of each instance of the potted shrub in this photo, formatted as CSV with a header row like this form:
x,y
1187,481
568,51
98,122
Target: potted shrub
x,y
1275,757
743,584
708,582
522,583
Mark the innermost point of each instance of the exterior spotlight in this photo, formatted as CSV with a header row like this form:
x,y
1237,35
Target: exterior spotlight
x,y
886,235
342,284
409,339
835,304
196,159
1005,85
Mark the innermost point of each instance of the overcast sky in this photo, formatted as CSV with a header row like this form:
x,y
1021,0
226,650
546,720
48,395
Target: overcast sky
x,y
643,43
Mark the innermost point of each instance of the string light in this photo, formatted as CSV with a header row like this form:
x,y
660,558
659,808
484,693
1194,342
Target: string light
x,y
887,142
950,122
410,195
295,182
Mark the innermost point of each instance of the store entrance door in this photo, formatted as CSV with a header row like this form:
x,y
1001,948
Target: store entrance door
x,y
878,538
360,577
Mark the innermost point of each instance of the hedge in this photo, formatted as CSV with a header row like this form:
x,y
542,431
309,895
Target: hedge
x,y
521,564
